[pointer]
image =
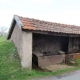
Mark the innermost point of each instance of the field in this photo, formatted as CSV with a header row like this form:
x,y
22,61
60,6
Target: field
x,y
2,39
10,68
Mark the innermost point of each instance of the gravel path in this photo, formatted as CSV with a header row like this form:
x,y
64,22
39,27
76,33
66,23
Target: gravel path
x,y
68,76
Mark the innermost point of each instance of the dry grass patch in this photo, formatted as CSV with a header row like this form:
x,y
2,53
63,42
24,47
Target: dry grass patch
x,y
57,67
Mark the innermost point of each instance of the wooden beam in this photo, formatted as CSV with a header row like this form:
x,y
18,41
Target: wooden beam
x,y
53,33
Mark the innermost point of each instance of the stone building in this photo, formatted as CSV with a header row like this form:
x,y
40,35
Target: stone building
x,y
44,40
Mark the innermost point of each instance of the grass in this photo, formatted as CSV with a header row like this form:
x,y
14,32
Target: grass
x,y
2,39
10,68
77,61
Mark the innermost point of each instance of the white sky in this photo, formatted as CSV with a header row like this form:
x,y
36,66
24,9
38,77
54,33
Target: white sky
x,y
61,11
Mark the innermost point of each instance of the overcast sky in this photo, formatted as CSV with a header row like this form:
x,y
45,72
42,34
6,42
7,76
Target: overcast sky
x,y
61,11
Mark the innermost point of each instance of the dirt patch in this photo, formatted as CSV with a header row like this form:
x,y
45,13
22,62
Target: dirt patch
x,y
56,67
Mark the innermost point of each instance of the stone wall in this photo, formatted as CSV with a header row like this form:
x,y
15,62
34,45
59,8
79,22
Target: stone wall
x,y
16,38
74,43
26,49
23,43
50,60
46,43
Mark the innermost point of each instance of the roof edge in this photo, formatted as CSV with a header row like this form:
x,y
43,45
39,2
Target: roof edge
x,y
17,20
20,24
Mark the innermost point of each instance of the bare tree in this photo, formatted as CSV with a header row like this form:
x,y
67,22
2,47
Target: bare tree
x,y
3,31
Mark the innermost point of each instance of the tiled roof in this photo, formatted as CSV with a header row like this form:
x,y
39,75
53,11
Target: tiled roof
x,y
34,24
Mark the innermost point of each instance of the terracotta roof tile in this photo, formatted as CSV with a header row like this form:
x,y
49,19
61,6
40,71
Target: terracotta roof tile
x,y
34,24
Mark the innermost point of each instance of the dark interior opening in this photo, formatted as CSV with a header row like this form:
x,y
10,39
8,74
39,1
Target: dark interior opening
x,y
34,60
47,45
64,44
79,47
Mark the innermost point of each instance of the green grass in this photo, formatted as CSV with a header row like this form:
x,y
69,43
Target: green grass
x,y
2,39
10,68
77,61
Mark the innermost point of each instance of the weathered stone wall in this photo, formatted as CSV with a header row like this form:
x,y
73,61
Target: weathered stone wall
x,y
74,43
49,43
50,60
46,43
26,49
16,38
23,43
